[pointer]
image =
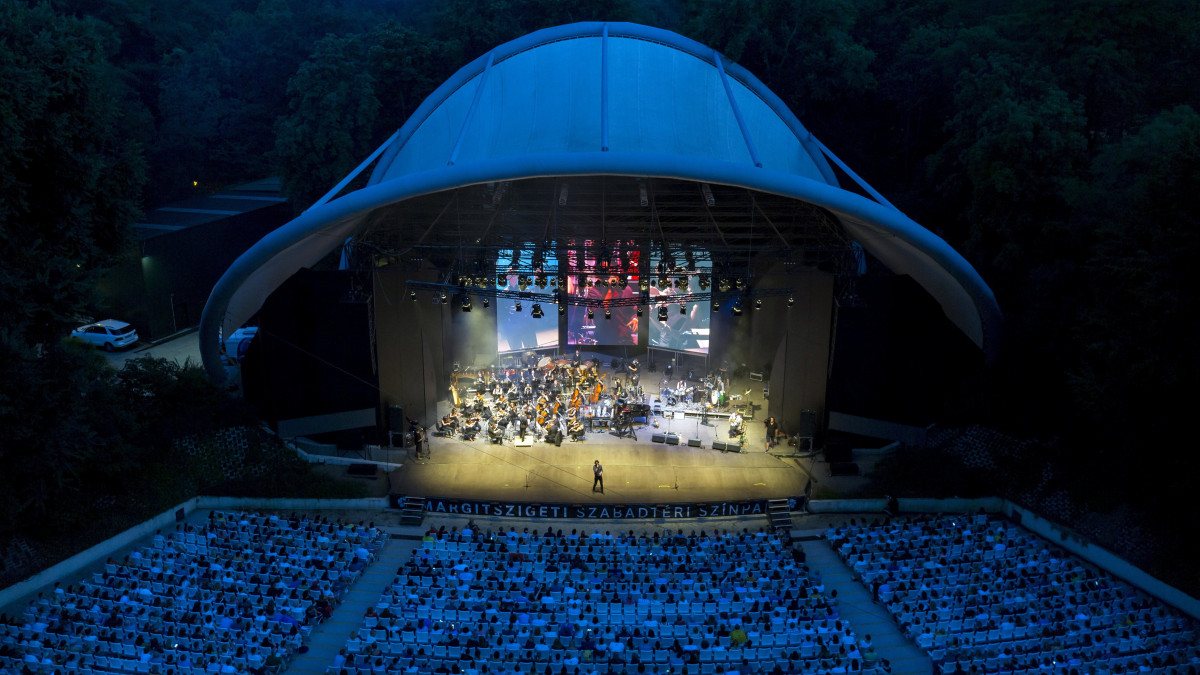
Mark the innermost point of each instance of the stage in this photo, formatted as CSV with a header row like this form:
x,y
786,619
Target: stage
x,y
635,471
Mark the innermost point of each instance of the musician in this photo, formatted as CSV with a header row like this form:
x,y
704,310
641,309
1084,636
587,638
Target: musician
x,y
528,390
472,429
446,426
524,426
735,424
772,432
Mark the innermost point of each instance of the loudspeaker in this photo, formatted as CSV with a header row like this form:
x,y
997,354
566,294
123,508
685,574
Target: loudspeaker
x,y
733,447
395,416
720,445
658,438
843,469
694,443
672,439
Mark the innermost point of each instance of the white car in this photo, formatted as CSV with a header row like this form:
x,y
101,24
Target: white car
x,y
108,334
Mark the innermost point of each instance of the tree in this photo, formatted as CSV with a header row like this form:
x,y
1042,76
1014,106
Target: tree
x,y
71,172
330,122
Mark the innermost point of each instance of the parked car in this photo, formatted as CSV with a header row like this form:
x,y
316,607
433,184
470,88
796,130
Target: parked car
x,y
239,342
108,334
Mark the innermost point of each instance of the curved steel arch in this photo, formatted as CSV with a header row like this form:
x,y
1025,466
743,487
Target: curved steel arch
x,y
309,237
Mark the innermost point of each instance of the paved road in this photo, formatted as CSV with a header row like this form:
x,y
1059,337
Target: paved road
x,y
178,349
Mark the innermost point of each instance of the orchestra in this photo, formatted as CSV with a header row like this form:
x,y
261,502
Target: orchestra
x,y
548,400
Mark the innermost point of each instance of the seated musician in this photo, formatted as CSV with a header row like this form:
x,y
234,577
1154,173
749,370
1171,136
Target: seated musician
x,y
735,424
575,429
445,427
471,429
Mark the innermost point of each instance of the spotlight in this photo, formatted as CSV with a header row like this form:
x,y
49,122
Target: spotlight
x,y
664,282
791,301
466,303
501,281
522,282
681,282
607,313
624,282
716,305
562,309
591,314
737,307
704,282
644,285
683,309
486,303
518,307
662,313
412,295
443,298
741,284
536,312
758,303
708,195
541,281
724,285
639,311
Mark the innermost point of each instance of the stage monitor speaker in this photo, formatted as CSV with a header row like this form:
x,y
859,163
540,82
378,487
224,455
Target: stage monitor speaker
x,y
658,438
396,418
843,469
733,447
720,445
672,439
694,443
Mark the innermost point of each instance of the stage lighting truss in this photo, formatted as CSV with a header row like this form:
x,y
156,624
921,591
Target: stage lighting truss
x,y
440,290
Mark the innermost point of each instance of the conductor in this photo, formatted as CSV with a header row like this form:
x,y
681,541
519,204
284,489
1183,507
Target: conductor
x,y
598,472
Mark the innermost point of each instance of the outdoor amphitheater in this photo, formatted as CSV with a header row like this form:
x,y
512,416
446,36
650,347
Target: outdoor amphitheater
x,y
706,348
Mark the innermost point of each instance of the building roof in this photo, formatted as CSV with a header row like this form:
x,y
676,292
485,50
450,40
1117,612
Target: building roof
x,y
193,211
603,99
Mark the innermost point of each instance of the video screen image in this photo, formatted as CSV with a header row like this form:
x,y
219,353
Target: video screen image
x,y
519,330
602,281
686,331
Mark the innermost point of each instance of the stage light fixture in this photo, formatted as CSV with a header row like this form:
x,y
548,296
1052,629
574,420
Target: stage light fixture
x,y
644,285
607,313
681,282
716,306
724,285
501,281
486,303
683,309
562,309
541,281
412,295
662,313
791,301
466,303
518,306
737,307
591,283
664,282
708,195
639,311
603,282
522,282
741,284
758,303
443,298
591,314
624,282
536,312
704,282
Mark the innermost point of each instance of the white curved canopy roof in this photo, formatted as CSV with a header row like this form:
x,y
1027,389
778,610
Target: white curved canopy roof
x,y
594,99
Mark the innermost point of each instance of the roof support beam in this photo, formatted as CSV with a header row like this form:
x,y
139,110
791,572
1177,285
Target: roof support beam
x,y
737,112
483,78
604,89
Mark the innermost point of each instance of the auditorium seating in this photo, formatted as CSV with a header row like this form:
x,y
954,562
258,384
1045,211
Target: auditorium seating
x,y
982,594
236,594
509,602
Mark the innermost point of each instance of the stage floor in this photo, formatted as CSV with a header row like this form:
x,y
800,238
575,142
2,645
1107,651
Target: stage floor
x,y
635,470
